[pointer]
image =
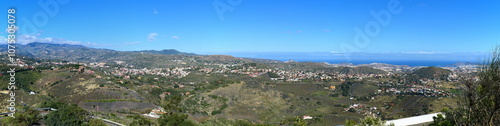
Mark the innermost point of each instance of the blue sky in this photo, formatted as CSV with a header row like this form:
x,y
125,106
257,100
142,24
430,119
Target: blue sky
x,y
320,26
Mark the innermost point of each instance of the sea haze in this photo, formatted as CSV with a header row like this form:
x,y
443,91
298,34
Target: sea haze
x,y
405,58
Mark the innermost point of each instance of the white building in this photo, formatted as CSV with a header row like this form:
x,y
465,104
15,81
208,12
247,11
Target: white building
x,y
307,117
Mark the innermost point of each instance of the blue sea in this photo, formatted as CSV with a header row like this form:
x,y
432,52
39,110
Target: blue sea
x,y
439,59
436,63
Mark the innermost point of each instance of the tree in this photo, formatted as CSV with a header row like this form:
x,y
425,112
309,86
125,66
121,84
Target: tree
x,y
67,115
230,122
345,89
368,121
176,119
480,102
96,122
51,104
141,121
350,123
172,105
273,75
299,122
351,110
441,121
22,118
371,121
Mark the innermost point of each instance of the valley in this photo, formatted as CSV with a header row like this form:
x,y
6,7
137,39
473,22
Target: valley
x,y
143,87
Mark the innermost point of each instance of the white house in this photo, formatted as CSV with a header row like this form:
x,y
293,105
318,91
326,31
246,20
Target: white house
x,y
307,117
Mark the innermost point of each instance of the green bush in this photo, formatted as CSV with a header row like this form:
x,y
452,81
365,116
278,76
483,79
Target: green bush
x,y
140,121
25,118
67,115
175,119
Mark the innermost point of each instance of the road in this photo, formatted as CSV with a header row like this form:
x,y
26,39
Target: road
x,y
109,122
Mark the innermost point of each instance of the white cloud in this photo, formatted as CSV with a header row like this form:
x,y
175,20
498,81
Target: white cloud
x,y
152,36
422,52
175,37
132,43
335,52
3,40
25,39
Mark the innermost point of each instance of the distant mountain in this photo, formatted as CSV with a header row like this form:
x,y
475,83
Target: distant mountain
x,y
339,64
355,70
147,58
165,52
383,65
42,50
463,64
263,60
66,52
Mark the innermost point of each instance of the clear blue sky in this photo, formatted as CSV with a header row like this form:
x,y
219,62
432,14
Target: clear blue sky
x,y
422,26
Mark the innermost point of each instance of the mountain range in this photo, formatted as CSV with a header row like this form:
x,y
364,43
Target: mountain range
x,y
79,52
145,58
164,58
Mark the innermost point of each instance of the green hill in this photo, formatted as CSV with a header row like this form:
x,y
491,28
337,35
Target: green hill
x,y
352,70
430,73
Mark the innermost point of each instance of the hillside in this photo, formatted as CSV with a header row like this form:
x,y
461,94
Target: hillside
x,y
430,73
77,53
147,58
351,70
165,52
359,70
210,88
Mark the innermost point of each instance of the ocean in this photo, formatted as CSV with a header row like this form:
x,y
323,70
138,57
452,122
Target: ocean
x,y
439,60
436,63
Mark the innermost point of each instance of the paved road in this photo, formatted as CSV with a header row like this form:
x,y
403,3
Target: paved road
x,y
109,122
